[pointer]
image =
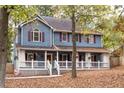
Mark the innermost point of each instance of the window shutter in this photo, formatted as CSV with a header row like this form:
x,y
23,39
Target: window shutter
x,y
40,36
30,36
68,37
43,37
88,39
29,39
60,36
94,39
79,37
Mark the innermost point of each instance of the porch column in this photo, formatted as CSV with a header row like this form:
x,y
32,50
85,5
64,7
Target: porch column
x,y
57,54
21,58
106,62
88,60
45,59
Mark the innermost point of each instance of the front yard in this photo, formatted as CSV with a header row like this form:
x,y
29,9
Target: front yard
x,y
105,78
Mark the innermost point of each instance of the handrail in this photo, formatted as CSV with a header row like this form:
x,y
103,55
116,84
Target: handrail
x,y
56,65
49,66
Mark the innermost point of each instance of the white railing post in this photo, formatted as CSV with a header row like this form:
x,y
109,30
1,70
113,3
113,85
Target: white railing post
x,y
66,64
45,59
32,65
98,64
57,67
50,69
82,64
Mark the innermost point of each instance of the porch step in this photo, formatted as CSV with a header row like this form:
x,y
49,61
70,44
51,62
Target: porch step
x,y
33,72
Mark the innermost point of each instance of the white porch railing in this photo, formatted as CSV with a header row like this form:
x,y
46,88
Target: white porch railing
x,y
31,65
83,65
60,65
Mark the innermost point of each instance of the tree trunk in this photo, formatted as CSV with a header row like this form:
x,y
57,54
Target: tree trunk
x,y
74,75
3,44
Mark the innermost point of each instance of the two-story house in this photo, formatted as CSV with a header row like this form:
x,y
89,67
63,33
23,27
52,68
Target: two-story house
x,y
44,44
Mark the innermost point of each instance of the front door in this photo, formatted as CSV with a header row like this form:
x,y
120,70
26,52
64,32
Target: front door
x,y
49,57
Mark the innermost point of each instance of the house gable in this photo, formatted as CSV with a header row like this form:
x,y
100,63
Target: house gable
x,y
27,33
38,18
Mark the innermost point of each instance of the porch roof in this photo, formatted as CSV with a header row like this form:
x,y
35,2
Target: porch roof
x,y
65,48
84,49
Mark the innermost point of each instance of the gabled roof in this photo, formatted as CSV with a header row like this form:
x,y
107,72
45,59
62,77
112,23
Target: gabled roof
x,y
64,25
59,25
37,17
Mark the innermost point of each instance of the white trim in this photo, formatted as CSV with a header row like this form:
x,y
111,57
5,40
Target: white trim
x,y
45,59
91,51
37,19
66,37
22,36
38,36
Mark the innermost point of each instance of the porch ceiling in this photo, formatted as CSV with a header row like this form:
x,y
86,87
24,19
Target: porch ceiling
x,y
63,48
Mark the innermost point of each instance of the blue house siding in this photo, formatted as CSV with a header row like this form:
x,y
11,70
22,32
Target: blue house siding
x,y
40,26
80,44
18,36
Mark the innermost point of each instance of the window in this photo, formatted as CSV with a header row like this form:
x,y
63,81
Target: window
x,y
87,38
36,35
29,56
91,39
77,37
64,57
64,36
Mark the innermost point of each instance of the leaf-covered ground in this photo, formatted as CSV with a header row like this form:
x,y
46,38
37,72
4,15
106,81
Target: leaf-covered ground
x,y
105,78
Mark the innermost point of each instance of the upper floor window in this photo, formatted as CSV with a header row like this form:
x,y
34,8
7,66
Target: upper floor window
x,y
90,39
87,38
36,36
64,37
